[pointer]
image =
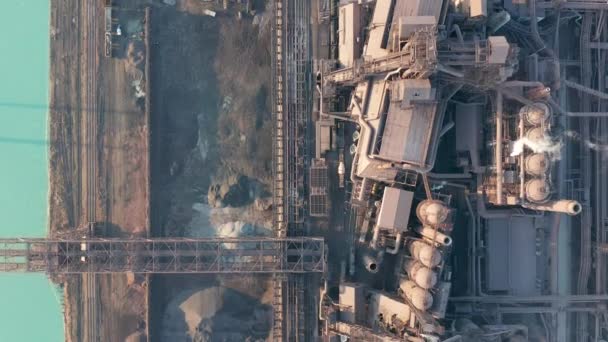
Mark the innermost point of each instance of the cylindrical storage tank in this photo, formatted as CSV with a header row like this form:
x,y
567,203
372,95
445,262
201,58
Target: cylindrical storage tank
x,y
536,164
432,212
433,234
569,207
420,274
536,134
537,190
535,115
428,255
419,297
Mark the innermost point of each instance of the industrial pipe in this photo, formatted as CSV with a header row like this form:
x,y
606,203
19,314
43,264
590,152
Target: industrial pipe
x,y
374,243
423,276
428,255
569,207
371,263
498,148
435,235
397,247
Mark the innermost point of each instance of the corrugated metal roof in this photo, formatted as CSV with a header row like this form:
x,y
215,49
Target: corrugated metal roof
x,y
378,30
349,30
407,133
412,8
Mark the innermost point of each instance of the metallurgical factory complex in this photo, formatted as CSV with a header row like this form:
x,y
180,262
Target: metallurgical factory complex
x,y
436,170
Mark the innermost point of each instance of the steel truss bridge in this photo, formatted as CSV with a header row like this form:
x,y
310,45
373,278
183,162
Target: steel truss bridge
x,y
163,255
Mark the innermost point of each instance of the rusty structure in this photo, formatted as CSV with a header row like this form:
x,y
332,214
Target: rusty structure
x,y
162,255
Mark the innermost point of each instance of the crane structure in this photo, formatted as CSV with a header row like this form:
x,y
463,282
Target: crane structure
x,y
163,255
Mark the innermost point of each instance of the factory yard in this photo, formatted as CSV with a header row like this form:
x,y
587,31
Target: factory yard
x,y
118,151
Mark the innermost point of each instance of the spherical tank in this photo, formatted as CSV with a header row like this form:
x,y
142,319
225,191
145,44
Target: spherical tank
x,y
432,212
536,134
428,255
537,164
420,274
535,115
537,190
419,297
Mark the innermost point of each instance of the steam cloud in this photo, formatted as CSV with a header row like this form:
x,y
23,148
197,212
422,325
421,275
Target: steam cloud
x,y
602,148
547,145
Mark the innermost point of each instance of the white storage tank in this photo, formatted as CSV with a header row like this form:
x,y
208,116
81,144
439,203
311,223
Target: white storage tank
x,y
537,190
428,255
536,114
537,164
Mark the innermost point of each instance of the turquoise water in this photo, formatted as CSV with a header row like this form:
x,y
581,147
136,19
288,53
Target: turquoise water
x,y
30,310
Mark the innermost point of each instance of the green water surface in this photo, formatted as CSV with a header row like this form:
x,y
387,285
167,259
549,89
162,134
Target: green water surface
x,y
30,308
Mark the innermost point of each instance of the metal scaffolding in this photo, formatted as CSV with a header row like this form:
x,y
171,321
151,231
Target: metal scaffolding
x,y
163,255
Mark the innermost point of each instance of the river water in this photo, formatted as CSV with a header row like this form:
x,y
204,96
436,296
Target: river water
x,y
31,309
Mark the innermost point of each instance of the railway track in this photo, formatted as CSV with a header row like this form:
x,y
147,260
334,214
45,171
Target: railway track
x,y
90,116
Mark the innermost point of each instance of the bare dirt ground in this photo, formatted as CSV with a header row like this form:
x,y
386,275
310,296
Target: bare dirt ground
x,y
122,163
211,122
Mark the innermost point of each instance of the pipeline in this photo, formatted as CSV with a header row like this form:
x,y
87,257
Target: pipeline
x,y
374,243
321,297
569,207
397,247
498,148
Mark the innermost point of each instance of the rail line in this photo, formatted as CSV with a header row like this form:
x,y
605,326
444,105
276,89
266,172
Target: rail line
x,y
89,280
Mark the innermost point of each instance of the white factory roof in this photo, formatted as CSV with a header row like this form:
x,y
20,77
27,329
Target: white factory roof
x,y
349,31
499,50
395,210
409,124
378,30
352,300
388,306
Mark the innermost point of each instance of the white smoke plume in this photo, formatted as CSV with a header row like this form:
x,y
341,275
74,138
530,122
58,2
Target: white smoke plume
x,y
552,147
602,148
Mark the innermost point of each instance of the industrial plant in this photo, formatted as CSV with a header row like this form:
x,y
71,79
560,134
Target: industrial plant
x,y
327,170
465,136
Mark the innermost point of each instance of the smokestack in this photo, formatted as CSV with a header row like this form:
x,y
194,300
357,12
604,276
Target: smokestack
x,y
569,207
372,263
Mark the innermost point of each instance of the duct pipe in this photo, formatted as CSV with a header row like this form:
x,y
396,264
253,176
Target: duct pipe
x,y
456,28
450,71
440,176
394,72
434,235
446,128
509,84
569,207
321,297
374,243
423,276
397,247
538,40
498,148
428,255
